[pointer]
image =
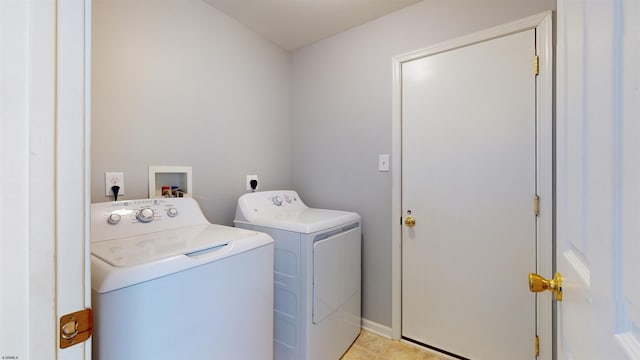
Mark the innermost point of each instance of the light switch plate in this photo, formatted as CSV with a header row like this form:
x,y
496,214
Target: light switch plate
x,y
383,162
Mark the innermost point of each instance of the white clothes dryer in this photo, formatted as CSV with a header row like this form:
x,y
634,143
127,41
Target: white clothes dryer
x,y
167,284
317,273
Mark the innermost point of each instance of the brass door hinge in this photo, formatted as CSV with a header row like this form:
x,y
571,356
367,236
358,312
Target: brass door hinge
x,y
537,346
536,65
536,205
75,328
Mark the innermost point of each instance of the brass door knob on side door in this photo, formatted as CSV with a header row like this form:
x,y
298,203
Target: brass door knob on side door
x,y
410,221
538,283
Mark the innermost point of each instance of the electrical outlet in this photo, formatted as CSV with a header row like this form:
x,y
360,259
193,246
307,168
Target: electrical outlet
x,y
249,178
113,179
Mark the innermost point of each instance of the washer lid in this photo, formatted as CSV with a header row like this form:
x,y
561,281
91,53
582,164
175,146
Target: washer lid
x,y
136,250
306,221
119,263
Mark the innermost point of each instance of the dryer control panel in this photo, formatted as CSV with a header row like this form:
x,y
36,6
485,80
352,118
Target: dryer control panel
x,y
284,210
265,201
284,199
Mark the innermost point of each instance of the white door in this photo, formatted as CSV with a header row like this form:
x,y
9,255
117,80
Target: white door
x,y
469,180
44,154
598,179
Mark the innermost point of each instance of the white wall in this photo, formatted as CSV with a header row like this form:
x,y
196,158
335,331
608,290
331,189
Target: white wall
x,y
176,82
341,118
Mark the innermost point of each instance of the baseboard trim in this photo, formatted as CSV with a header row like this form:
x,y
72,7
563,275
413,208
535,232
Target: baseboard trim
x,y
376,328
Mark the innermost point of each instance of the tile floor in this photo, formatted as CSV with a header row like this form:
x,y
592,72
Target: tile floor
x,y
369,346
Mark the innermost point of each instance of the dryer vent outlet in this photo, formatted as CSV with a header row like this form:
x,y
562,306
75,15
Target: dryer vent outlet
x,y
252,182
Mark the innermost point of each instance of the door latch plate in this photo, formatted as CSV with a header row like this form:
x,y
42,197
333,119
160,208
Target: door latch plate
x,y
75,328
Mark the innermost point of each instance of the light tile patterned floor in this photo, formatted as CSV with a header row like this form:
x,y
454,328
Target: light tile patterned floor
x,y
369,346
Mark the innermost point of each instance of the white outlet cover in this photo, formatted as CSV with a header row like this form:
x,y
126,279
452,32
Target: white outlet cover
x,y
111,179
249,178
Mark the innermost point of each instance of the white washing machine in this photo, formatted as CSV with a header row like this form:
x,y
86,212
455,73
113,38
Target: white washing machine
x,y
317,273
167,284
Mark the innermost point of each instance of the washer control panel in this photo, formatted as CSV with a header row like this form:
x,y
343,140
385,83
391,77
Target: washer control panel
x,y
277,200
142,211
134,217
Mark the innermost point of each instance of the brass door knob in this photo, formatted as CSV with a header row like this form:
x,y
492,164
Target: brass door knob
x,y
410,221
538,283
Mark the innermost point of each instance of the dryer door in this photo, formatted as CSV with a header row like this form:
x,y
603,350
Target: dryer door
x,y
336,272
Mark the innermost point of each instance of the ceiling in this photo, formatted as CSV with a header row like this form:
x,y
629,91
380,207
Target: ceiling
x,y
292,24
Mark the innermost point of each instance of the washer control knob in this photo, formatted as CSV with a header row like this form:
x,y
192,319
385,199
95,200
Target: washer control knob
x,y
277,200
114,218
145,215
172,212
288,199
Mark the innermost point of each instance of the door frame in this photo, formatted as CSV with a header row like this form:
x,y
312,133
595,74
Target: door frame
x,y
72,167
47,73
542,23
